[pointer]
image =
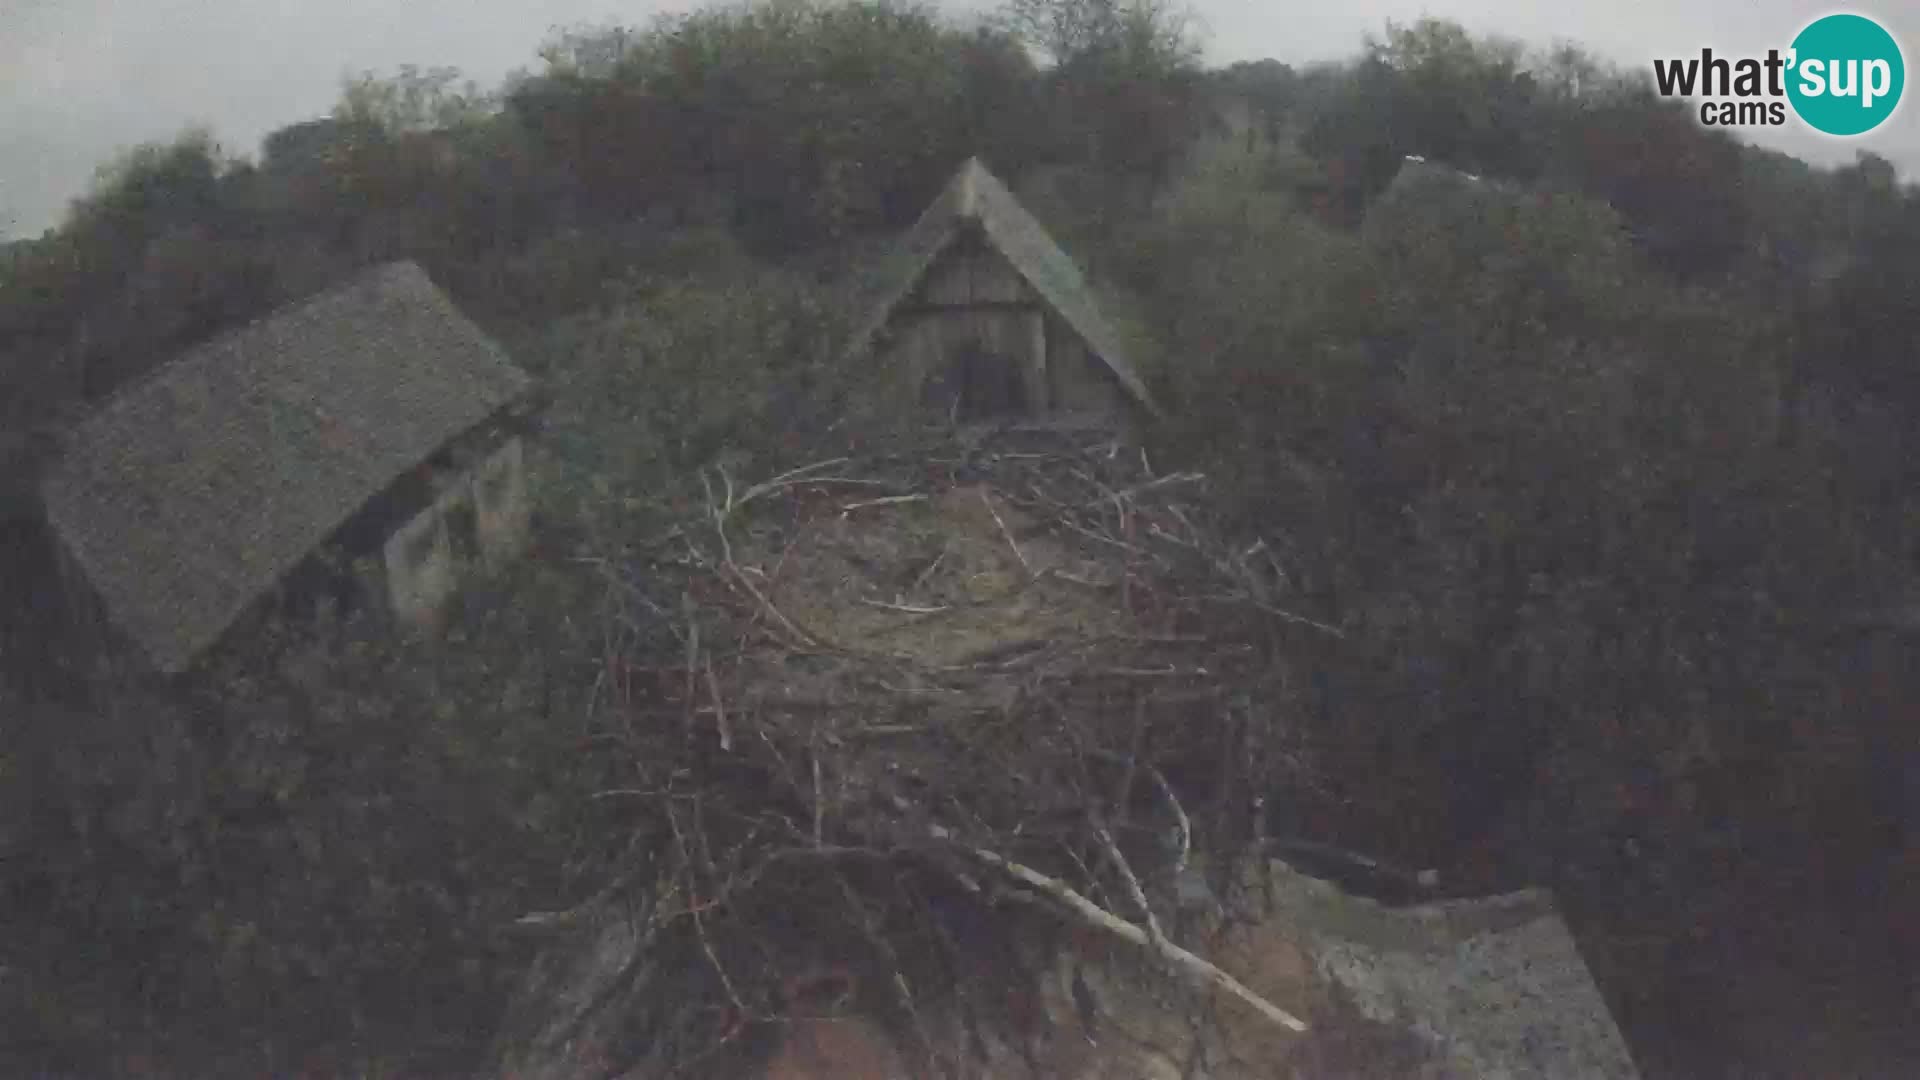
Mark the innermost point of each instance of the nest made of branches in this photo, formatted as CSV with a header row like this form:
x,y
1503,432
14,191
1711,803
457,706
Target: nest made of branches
x,y
872,715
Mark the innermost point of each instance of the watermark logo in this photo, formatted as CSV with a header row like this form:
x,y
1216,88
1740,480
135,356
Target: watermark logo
x,y
1842,75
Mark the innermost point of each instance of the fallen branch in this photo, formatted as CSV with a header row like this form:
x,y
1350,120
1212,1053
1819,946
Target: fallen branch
x,y
1180,813
1286,616
910,609
931,567
889,500
695,907
767,606
1004,531
1094,915
819,802
540,922
1134,891
789,477
1085,582
719,708
1132,760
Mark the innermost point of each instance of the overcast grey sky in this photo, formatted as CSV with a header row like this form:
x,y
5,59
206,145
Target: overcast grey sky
x,y
82,78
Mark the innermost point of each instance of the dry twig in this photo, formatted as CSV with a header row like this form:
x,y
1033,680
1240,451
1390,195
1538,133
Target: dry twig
x,y
1099,918
719,708
909,609
1004,531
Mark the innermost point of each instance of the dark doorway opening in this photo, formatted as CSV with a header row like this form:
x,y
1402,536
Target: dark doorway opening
x,y
980,384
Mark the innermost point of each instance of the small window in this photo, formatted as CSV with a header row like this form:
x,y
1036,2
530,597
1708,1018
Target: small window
x,y
420,546
463,530
493,483
990,384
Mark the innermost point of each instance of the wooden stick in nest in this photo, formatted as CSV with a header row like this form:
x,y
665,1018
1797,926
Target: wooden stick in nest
x,y
910,609
1132,761
1134,891
766,605
785,479
1004,531
719,707
1183,961
888,500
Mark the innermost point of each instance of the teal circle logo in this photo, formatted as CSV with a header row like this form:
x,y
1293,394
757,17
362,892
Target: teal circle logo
x,y
1847,74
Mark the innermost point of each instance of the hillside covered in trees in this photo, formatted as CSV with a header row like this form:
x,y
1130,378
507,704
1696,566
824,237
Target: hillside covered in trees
x,y
1599,460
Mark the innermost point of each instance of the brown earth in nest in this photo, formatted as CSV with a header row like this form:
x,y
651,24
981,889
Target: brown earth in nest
x,y
840,1048
938,581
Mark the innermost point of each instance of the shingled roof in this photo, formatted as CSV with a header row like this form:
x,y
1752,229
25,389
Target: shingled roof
x,y
975,195
190,493
1496,984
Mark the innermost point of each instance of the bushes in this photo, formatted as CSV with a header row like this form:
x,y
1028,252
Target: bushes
x,y
312,850
811,120
333,824
723,364
1544,489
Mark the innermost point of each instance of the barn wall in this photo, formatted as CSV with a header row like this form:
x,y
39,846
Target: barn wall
x,y
420,570
1033,333
1079,382
460,522
481,517
970,297
67,631
917,356
32,603
503,503
972,274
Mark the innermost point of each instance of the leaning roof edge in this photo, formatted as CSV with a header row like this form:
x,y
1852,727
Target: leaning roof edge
x,y
975,194
60,489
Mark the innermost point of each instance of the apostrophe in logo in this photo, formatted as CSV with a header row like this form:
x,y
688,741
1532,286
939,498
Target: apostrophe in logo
x,y
1843,75
1848,76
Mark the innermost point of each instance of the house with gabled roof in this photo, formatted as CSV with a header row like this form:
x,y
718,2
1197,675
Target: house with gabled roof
x,y
371,424
979,313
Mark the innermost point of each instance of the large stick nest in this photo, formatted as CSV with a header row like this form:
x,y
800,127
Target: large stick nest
x,y
828,692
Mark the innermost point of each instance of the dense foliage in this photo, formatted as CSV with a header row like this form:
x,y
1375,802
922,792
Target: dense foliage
x,y
1594,456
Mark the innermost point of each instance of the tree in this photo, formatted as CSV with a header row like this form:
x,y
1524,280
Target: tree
x,y
1001,102
1859,331
149,187
1568,73
1433,90
1125,76
809,121
1268,89
1149,33
1675,181
588,51
79,308
413,100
